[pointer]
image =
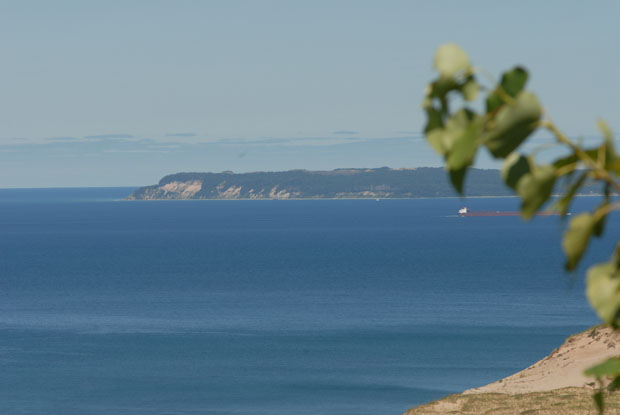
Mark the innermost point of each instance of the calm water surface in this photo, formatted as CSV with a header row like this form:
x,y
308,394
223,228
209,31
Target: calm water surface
x,y
270,307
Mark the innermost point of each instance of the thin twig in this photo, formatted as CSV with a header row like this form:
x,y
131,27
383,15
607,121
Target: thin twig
x,y
585,157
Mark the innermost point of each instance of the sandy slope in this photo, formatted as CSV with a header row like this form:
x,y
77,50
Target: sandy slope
x,y
563,367
554,385
566,401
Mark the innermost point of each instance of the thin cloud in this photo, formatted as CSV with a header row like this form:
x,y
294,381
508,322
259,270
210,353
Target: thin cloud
x,y
271,140
236,141
64,155
62,138
345,132
165,146
183,135
107,136
137,151
145,141
314,141
70,145
391,139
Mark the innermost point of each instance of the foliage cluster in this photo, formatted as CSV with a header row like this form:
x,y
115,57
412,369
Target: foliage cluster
x,y
509,115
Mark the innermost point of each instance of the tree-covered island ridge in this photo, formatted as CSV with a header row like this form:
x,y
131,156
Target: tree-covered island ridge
x,y
334,184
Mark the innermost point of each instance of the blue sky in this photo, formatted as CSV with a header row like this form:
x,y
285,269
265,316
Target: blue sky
x,y
106,93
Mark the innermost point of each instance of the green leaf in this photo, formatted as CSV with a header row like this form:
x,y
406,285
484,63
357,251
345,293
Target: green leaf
x,y
441,87
610,367
563,204
464,127
457,178
599,225
602,285
611,159
614,385
511,84
605,130
434,127
464,150
565,161
470,90
513,124
436,138
606,155
514,168
598,401
514,81
433,119
451,60
616,167
442,139
576,238
493,101
535,189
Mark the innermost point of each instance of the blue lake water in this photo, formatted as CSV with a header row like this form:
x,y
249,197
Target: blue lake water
x,y
271,307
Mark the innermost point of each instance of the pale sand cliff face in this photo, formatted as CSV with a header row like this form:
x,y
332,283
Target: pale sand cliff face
x,y
230,193
187,190
280,194
183,190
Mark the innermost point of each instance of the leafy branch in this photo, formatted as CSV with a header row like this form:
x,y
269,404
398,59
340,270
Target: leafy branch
x,y
510,116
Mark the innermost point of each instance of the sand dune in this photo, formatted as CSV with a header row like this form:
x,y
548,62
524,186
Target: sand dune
x,y
563,367
553,385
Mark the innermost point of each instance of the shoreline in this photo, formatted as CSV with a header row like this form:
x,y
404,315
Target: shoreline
x,y
345,198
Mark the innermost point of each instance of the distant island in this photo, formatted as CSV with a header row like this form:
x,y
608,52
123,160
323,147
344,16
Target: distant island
x,y
306,184
375,183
